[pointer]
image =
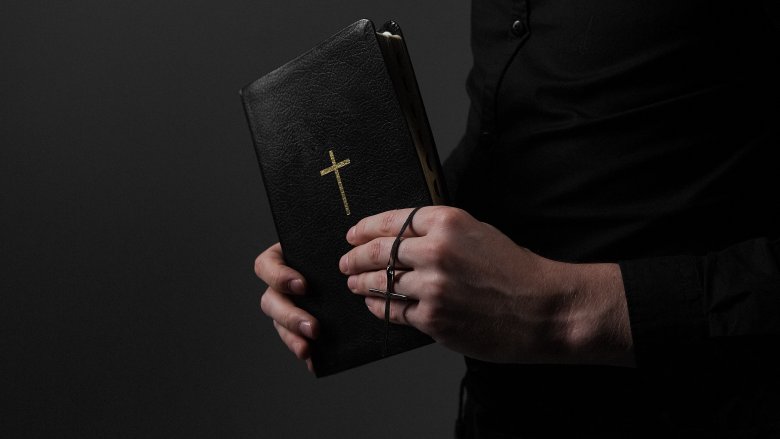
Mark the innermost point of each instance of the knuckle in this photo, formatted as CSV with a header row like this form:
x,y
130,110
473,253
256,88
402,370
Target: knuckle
x,y
375,251
290,321
364,281
378,280
360,228
449,217
259,265
427,319
386,225
265,262
437,251
277,278
438,303
436,322
437,288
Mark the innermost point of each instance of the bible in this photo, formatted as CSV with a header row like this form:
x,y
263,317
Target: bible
x,y
341,133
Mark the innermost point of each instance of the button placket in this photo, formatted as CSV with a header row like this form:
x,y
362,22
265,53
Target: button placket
x,y
516,35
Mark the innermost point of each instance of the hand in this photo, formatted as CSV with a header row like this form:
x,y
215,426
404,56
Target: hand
x,y
478,293
294,325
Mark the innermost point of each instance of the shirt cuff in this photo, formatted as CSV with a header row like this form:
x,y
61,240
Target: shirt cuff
x,y
665,305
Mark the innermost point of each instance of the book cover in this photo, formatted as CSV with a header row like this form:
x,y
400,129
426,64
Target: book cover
x,y
341,134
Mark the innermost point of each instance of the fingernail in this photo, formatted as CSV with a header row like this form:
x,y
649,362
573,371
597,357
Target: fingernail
x,y
306,329
351,234
343,263
296,286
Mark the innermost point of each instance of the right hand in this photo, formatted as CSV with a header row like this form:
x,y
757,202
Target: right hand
x,y
295,326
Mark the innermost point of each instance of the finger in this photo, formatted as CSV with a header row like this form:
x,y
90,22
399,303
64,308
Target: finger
x,y
295,343
406,283
389,224
402,312
271,268
374,255
279,308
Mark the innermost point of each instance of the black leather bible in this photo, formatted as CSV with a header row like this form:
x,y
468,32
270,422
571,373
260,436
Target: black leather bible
x,y
340,134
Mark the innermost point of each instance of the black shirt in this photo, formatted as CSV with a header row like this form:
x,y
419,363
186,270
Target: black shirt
x,y
644,133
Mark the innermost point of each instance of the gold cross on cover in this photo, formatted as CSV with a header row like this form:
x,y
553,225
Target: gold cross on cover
x,y
334,168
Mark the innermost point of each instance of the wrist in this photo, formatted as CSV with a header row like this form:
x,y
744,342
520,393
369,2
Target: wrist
x,y
597,325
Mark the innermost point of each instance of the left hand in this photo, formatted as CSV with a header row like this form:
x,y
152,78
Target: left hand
x,y
478,293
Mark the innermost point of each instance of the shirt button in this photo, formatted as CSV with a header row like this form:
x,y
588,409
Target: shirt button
x,y
518,28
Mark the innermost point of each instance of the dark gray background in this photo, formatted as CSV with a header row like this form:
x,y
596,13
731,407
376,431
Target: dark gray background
x,y
132,209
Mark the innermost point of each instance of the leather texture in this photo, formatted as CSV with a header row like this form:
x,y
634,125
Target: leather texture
x,y
336,97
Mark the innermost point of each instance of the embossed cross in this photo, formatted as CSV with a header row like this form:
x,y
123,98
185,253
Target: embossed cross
x,y
335,169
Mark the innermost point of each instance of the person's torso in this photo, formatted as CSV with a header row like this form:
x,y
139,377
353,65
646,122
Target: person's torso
x,y
609,130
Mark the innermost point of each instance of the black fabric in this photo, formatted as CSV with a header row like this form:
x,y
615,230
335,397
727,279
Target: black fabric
x,y
644,133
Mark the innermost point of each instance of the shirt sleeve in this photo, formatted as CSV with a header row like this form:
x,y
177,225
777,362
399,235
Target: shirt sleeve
x,y
690,300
